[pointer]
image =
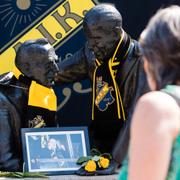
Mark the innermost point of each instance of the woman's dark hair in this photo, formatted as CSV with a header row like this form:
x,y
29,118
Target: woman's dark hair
x,y
161,45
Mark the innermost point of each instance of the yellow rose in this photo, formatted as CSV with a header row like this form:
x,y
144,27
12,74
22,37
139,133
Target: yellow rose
x,y
90,166
103,162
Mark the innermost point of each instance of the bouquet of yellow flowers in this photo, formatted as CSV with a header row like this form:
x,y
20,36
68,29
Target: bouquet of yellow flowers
x,y
95,161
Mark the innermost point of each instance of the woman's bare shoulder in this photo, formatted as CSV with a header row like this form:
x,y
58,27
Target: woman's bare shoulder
x,y
159,101
158,109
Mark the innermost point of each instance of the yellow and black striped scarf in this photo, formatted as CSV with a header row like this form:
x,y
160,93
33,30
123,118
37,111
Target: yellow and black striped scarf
x,y
42,102
107,101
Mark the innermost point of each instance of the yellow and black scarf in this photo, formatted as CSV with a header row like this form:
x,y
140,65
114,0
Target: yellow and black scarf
x,y
107,100
42,103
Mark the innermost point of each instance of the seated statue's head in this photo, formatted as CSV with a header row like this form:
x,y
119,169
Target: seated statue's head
x,y
161,46
103,28
36,59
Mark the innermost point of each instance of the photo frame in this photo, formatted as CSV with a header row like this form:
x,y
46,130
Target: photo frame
x,y
54,150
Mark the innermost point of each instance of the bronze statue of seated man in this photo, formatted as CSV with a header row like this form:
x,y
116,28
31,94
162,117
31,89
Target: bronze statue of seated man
x,y
31,78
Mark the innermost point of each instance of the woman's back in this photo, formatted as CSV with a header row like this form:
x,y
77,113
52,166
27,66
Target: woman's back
x,y
161,115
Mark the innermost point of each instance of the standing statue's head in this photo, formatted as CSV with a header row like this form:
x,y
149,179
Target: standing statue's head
x,y
103,28
36,59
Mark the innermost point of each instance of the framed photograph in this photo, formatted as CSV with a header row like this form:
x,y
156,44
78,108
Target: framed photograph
x,y
54,150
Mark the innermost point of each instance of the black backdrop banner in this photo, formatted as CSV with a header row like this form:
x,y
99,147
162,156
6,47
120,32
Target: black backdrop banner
x,y
21,20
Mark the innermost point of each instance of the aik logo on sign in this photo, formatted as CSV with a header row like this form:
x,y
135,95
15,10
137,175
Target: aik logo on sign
x,y
22,20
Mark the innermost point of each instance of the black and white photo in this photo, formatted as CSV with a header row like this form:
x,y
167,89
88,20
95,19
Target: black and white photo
x,y
54,150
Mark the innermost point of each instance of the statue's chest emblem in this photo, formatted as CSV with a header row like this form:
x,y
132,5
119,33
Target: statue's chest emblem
x,y
104,96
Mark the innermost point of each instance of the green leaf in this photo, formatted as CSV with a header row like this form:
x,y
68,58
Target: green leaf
x,y
95,152
96,158
106,155
83,159
84,163
17,174
5,174
34,174
21,174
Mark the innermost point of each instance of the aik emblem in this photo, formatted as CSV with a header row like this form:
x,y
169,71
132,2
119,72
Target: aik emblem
x,y
104,96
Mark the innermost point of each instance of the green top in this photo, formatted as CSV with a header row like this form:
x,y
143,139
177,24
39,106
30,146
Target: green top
x,y
174,167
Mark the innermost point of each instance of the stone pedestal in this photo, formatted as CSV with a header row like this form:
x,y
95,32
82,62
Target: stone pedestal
x,y
70,177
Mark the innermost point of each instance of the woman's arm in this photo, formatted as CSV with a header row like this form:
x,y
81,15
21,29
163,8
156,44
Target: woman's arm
x,y
155,125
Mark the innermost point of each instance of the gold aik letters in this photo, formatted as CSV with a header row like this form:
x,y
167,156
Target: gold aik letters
x,y
56,26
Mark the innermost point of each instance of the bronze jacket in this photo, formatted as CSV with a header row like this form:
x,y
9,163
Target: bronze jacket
x,y
132,85
12,110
